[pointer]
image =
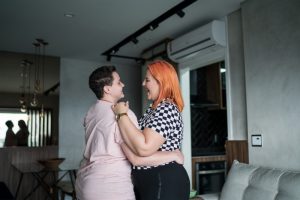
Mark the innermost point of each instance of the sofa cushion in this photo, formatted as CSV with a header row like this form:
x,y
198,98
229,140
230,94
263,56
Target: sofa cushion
x,y
213,196
263,184
237,181
249,182
289,186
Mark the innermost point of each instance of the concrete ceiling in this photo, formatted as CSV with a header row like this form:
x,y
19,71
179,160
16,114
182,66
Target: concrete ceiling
x,y
97,25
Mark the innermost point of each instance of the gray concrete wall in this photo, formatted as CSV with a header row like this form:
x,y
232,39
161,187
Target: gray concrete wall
x,y
76,98
272,55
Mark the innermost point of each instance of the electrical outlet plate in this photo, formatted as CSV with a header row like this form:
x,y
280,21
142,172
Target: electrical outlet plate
x,y
256,140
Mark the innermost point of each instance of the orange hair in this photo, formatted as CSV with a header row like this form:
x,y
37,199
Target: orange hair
x,y
167,78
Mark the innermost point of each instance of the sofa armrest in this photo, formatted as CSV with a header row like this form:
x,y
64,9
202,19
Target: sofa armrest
x,y
214,196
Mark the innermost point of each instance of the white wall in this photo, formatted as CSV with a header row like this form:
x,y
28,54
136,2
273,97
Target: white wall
x,y
184,76
235,79
271,47
76,98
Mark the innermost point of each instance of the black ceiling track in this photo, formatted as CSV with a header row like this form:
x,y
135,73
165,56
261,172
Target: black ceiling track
x,y
176,10
139,60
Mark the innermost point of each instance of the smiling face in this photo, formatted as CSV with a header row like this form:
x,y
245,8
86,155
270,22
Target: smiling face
x,y
115,91
151,86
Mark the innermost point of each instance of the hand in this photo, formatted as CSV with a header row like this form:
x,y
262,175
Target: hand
x,y
179,157
121,107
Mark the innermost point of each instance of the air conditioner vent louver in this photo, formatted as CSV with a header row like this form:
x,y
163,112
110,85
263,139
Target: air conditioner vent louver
x,y
190,46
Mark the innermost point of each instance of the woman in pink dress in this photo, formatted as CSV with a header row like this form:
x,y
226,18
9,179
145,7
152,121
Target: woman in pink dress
x,y
105,173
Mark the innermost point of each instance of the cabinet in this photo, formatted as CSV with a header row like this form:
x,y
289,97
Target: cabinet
x,y
208,86
204,168
208,110
215,85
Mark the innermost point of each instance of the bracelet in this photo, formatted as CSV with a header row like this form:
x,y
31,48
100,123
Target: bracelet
x,y
118,116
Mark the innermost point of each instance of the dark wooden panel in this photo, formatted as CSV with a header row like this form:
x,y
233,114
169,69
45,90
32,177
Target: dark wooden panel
x,y
236,150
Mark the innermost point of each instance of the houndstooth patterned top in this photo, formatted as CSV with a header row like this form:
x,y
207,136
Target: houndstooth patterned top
x,y
167,121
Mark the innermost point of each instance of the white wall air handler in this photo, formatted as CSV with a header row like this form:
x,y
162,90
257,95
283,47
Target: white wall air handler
x,y
201,42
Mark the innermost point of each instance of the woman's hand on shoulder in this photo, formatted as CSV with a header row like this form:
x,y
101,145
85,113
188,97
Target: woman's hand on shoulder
x,y
121,107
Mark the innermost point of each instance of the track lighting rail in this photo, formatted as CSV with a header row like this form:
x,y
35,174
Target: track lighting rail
x,y
176,10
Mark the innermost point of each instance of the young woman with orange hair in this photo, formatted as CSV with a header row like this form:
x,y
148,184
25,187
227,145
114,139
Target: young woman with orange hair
x,y
161,129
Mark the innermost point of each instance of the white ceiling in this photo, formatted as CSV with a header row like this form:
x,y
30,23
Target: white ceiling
x,y
98,24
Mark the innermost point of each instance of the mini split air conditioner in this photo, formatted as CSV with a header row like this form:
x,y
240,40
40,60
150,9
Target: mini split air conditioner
x,y
198,43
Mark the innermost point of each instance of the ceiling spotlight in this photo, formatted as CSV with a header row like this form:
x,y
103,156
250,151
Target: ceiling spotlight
x,y
108,58
69,15
153,26
140,61
180,13
114,51
134,40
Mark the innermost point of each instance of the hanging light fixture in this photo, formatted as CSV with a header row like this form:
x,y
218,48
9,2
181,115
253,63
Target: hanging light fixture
x,y
36,82
44,44
37,68
39,72
25,76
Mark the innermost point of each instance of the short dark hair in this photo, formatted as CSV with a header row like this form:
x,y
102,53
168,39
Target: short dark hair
x,y
99,78
9,123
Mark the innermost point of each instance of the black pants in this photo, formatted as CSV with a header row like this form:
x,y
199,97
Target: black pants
x,y
168,182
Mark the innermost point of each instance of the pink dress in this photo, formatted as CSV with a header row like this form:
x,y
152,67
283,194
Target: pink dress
x,y
105,173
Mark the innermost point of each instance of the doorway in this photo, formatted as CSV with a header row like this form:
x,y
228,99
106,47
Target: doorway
x,y
208,124
208,109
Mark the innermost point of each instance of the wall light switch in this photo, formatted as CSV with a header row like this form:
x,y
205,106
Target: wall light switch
x,y
256,140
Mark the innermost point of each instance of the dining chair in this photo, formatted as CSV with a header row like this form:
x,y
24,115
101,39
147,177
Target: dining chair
x,y
66,188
